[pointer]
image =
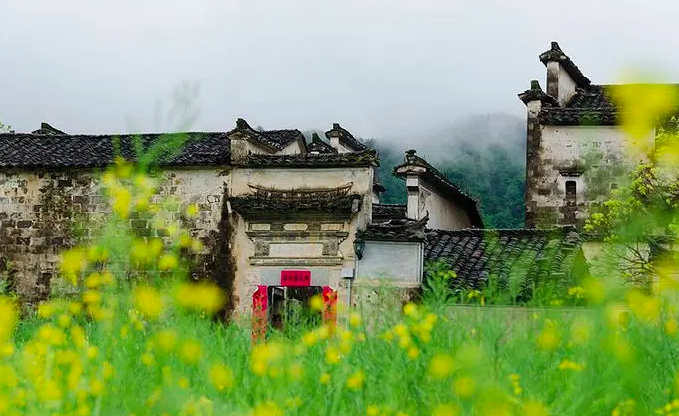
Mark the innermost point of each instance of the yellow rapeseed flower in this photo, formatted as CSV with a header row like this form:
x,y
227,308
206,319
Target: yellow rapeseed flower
x,y
323,332
75,308
464,387
78,336
266,409
316,303
263,355
121,198
64,320
293,402
533,408
400,329
107,370
410,309
549,339
309,339
93,281
332,355
413,353
570,365
441,366
594,290
183,383
671,327
96,387
168,262
190,352
372,410
166,339
646,308
220,376
324,379
97,254
73,262
446,409
355,381
185,240
147,359
202,297
46,309
617,315
91,297
92,352
148,301
643,104
192,210
8,318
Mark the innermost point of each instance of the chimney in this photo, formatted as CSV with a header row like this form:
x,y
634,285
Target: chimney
x,y
563,76
413,188
334,136
238,142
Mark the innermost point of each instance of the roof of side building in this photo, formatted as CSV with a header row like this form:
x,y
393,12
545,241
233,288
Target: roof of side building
x,y
516,259
21,150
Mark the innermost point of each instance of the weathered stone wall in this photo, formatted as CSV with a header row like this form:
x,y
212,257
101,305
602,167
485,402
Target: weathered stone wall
x,y
40,213
43,213
595,158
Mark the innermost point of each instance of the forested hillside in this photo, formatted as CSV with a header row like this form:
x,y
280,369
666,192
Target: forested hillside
x,y
485,155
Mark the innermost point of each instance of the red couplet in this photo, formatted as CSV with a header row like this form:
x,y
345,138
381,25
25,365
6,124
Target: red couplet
x,y
259,314
296,278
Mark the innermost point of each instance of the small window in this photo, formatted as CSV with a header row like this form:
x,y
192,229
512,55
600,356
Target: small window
x,y
571,190
614,185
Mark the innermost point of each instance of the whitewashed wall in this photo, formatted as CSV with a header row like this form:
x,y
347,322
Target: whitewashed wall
x,y
397,262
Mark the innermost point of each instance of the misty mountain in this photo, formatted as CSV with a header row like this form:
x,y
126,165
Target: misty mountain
x,y
482,154
485,155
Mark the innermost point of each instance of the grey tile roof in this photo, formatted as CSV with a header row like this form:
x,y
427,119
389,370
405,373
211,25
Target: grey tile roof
x,y
312,160
317,145
347,139
274,139
588,106
383,212
516,259
55,150
394,230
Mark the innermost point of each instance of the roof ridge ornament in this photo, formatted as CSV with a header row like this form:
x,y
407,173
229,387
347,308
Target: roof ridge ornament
x,y
241,124
46,129
535,93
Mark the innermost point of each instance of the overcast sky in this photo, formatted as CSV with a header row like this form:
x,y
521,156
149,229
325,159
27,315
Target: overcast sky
x,y
378,67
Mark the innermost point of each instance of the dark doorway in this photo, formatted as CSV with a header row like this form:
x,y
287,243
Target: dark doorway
x,y
290,308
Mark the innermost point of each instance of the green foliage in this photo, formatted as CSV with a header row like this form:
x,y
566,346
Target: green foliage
x,y
5,128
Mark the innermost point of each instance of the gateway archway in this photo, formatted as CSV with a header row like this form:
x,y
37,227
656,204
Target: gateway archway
x,y
275,306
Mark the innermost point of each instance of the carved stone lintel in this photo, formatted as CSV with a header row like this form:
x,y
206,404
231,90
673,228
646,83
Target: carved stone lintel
x,y
297,261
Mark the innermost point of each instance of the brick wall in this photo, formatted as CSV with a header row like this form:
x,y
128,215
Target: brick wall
x,y
44,212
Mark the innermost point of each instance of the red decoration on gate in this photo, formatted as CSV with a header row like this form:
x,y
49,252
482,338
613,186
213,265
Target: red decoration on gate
x,y
296,278
259,314
329,307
